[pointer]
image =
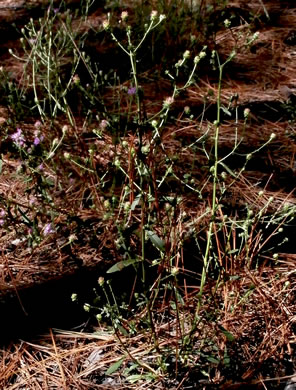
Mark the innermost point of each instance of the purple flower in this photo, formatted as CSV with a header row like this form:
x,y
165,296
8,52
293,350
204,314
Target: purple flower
x,y
132,91
37,124
2,222
38,138
48,229
104,124
18,138
36,141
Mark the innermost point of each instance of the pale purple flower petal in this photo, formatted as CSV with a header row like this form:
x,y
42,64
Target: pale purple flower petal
x,y
48,229
18,138
132,91
36,141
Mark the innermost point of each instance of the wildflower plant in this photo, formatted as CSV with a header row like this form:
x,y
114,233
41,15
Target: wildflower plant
x,y
122,181
48,46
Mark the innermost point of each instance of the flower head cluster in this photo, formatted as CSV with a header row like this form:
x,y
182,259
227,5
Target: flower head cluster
x,y
227,23
48,229
132,91
201,55
124,16
38,138
76,79
106,24
168,102
2,216
37,125
104,124
154,16
246,112
18,138
186,54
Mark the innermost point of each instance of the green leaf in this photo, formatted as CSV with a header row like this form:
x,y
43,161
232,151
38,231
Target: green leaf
x,y
156,241
134,378
227,169
136,202
115,366
122,330
137,377
226,361
120,265
227,334
234,277
213,360
232,251
226,111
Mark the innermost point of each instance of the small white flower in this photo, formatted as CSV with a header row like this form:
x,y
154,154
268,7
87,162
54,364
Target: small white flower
x,y
186,54
117,163
187,110
246,112
174,271
74,297
124,16
196,59
168,102
104,124
227,23
48,229
106,24
153,15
